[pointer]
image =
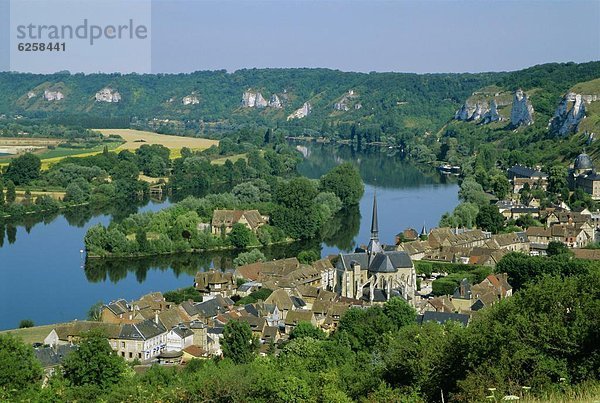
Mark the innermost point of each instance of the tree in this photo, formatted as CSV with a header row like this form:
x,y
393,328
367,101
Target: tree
x,y
557,248
94,362
240,236
26,323
19,369
306,329
490,219
24,169
557,179
253,256
472,192
308,256
239,344
345,182
400,312
11,192
95,312
1,194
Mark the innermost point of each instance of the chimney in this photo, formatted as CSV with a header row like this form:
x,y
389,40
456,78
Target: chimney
x,y
156,317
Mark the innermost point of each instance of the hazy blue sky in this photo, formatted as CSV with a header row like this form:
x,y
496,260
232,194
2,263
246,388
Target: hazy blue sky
x,y
409,36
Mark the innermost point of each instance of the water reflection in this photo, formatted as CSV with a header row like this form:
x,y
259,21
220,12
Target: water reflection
x,y
378,166
115,270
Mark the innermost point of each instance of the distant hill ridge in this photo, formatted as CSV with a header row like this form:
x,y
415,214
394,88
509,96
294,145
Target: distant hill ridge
x,y
390,102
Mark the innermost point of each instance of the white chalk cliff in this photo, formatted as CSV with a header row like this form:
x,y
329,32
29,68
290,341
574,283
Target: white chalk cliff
x,y
492,114
108,95
53,95
570,112
275,102
522,110
301,112
190,100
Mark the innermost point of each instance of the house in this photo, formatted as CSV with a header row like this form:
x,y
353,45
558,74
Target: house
x,y
270,334
72,332
51,357
520,171
224,220
200,337
168,357
284,302
409,234
179,337
143,341
215,283
193,352
213,307
248,287
293,318
118,311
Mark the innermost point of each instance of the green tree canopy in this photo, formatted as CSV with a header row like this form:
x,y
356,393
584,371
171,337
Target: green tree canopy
x,y
239,344
94,362
345,182
24,169
19,368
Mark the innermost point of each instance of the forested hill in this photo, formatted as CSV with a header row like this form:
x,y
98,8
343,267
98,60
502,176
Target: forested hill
x,y
382,106
393,100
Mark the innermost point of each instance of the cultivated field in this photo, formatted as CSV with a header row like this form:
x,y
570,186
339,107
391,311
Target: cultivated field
x,y
134,139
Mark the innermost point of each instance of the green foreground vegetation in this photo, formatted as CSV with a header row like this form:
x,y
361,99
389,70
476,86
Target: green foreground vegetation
x,y
539,344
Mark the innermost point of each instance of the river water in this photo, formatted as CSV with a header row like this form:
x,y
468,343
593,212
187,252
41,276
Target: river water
x,y
44,277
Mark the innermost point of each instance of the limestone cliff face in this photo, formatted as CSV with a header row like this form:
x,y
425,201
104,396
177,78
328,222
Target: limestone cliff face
x,y
465,111
472,112
190,100
570,112
252,99
108,95
522,110
275,102
491,115
346,101
50,95
301,112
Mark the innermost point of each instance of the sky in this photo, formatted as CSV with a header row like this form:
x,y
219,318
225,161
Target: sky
x,y
350,35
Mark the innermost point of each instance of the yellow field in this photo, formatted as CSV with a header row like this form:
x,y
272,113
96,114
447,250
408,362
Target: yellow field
x,y
134,139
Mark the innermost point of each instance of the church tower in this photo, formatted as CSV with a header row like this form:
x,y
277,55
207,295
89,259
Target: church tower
x,y
374,245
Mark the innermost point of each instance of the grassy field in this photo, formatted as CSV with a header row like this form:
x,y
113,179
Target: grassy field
x,y
134,139
232,158
31,335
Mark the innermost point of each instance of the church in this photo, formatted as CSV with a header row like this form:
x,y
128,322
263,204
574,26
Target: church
x,y
374,274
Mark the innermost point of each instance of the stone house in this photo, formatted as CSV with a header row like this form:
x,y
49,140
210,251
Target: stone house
x,y
144,340
293,318
215,283
179,337
224,220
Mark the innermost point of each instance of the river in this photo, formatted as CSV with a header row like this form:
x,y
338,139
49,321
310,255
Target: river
x,y
44,277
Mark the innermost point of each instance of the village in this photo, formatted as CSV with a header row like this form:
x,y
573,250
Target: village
x,y
274,297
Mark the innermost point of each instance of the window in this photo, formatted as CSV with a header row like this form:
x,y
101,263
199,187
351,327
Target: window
x,y
122,353
140,356
122,344
130,354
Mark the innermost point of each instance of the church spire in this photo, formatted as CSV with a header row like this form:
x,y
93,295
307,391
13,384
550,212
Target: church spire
x,y
374,223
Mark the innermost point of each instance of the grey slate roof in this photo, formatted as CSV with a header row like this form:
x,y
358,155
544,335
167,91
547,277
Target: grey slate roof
x,y
182,331
190,308
526,172
383,262
144,330
52,356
